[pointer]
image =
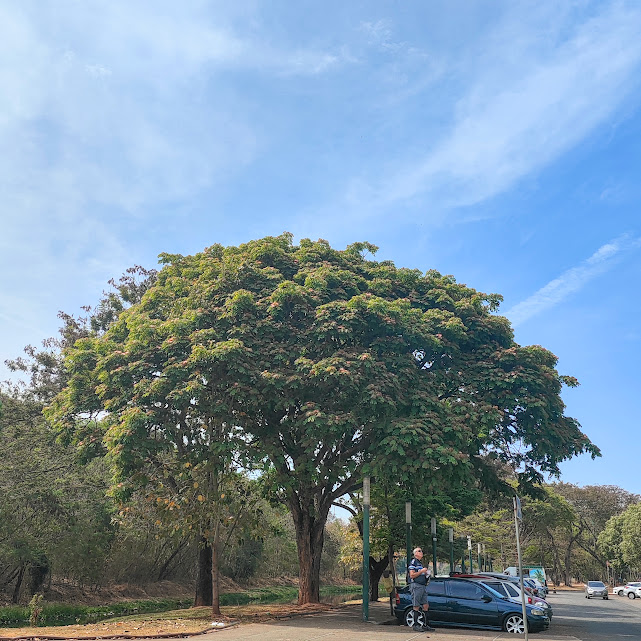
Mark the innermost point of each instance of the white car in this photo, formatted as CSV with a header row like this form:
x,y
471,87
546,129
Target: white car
x,y
633,590
622,590
513,592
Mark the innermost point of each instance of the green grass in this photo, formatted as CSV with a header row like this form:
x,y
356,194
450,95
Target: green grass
x,y
280,594
64,614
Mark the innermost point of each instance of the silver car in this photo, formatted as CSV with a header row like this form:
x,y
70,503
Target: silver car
x,y
596,589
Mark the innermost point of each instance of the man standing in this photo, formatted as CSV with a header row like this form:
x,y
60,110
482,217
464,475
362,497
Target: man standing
x,y
419,578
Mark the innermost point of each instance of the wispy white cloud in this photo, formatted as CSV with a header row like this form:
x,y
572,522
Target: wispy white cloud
x,y
110,112
574,279
521,95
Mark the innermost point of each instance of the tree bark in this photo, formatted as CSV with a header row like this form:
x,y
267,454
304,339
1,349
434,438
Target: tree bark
x,y
164,570
204,579
16,590
376,569
310,534
215,578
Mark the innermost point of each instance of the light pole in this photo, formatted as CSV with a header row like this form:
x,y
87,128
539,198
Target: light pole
x,y
451,537
469,550
408,531
478,555
366,548
434,544
484,559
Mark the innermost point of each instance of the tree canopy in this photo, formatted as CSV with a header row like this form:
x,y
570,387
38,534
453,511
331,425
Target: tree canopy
x,y
320,366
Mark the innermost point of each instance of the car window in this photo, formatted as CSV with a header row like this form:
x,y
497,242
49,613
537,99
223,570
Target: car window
x,y
498,586
596,584
464,590
435,588
511,590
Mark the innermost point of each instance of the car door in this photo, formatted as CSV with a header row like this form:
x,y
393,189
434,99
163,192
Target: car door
x,y
469,603
437,600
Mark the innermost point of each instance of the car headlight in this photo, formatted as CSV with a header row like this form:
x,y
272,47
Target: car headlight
x,y
536,612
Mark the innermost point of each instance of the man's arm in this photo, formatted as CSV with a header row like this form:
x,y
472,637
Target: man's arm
x,y
415,573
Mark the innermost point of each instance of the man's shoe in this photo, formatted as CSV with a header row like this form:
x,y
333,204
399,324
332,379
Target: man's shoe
x,y
427,628
417,627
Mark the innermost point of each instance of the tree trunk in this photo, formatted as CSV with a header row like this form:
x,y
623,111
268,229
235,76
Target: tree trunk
x,y
310,533
215,578
567,579
16,589
164,570
38,571
376,569
204,578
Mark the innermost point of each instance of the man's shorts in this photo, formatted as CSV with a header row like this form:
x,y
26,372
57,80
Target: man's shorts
x,y
419,594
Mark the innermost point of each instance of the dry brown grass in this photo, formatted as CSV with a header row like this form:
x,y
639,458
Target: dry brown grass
x,y
175,623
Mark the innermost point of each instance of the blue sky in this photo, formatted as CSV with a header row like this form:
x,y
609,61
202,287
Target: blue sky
x,y
495,141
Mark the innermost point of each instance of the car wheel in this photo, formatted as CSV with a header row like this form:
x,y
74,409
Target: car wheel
x,y
632,595
586,596
412,617
620,592
514,624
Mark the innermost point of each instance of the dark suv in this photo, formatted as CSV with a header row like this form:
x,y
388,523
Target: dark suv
x,y
465,602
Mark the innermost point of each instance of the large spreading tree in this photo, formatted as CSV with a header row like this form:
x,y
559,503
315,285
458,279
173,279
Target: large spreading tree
x,y
321,366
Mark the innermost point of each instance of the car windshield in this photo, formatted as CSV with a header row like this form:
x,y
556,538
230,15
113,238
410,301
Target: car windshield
x,y
596,584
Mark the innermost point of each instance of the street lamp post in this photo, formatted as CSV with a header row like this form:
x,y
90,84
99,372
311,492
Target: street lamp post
x,y
434,544
478,556
366,548
469,550
451,537
408,531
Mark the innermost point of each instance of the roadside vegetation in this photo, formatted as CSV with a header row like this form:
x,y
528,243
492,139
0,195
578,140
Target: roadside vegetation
x,y
200,423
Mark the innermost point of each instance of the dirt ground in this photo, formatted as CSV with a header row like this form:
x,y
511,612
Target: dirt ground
x,y
176,623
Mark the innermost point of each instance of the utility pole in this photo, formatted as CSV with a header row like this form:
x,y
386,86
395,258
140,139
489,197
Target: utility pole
x,y
451,537
408,531
366,548
469,550
434,544
518,516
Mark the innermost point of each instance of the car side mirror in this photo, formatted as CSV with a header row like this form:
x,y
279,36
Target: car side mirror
x,y
486,598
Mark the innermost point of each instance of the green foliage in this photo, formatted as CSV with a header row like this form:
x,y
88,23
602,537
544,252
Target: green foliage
x,y
64,614
320,366
53,511
620,538
35,609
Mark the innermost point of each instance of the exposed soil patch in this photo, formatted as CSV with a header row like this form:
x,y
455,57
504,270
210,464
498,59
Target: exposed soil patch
x,y
176,623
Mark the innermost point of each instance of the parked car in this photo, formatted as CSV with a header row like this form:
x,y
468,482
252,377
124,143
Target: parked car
x,y
618,589
596,589
630,588
528,583
513,591
465,602
541,588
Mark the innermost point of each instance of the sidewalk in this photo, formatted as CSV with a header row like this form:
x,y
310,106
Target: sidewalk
x,y
346,624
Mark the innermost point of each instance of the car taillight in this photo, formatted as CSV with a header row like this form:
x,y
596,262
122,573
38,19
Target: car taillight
x,y
529,600
398,599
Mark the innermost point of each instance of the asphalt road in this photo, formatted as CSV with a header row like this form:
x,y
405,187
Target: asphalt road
x,y
575,619
593,619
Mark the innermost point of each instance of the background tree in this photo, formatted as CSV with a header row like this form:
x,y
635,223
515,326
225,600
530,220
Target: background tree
x,y
54,516
332,365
